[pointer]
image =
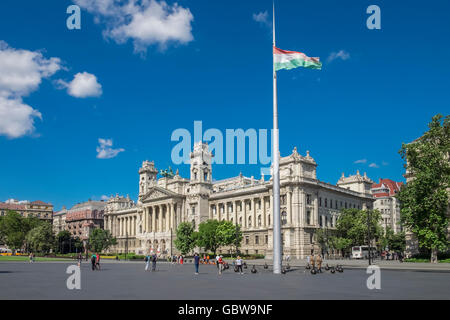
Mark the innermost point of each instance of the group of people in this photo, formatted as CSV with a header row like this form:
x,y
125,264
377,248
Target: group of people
x,y
220,263
95,261
150,258
387,255
176,259
315,261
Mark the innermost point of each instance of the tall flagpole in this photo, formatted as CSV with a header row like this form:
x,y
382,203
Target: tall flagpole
x,y
276,171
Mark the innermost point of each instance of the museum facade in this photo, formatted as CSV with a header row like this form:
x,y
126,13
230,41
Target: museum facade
x,y
306,204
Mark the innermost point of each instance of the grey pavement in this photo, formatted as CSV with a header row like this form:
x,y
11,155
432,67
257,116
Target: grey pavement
x,y
122,280
354,263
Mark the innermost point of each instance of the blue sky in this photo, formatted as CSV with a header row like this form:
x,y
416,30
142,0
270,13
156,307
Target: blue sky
x,y
381,88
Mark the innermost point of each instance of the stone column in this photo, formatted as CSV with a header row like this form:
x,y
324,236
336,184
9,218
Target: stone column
x,y
254,222
160,218
173,217
235,212
271,210
289,206
144,219
316,210
263,211
244,214
154,219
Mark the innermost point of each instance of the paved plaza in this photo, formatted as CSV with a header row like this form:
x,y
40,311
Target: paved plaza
x,y
128,280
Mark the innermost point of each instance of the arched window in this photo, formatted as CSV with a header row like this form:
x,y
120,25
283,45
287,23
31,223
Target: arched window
x,y
249,221
259,221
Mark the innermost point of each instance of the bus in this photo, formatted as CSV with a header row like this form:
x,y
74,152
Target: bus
x,y
362,252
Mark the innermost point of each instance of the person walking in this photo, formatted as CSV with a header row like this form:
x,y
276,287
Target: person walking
x,y
147,262
79,258
220,264
239,265
93,260
217,261
196,262
319,263
181,259
97,261
312,260
154,258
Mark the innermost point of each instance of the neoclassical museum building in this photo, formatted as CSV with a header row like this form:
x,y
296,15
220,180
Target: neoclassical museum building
x,y
149,225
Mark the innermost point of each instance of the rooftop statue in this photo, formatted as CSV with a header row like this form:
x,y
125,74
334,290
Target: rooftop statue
x,y
167,173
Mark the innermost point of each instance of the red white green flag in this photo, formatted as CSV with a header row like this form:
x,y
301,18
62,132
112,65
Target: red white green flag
x,y
284,59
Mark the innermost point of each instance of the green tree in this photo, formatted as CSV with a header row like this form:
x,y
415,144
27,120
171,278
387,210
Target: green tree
x,y
424,199
352,228
208,236
41,238
394,241
13,230
62,242
186,238
229,234
100,240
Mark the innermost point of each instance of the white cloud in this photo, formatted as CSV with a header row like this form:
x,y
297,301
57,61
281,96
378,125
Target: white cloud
x,y
16,118
104,150
104,198
373,165
384,163
21,72
361,161
145,22
83,85
263,19
341,54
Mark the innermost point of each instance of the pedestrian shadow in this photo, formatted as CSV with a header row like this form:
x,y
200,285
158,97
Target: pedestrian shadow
x,y
6,271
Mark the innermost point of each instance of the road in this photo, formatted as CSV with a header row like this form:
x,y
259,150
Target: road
x,y
128,280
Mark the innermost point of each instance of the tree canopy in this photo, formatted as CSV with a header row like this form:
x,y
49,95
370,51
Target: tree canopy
x,y
41,238
352,228
185,240
424,200
100,240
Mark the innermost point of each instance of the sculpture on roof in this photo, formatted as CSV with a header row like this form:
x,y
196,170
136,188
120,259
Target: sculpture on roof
x,y
167,173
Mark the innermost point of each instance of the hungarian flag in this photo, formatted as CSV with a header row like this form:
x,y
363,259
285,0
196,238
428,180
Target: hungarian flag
x,y
284,59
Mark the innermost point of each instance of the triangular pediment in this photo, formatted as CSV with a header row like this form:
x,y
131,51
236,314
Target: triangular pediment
x,y
157,193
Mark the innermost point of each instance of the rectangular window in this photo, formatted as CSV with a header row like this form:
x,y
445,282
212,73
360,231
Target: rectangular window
x,y
247,239
256,239
320,202
308,199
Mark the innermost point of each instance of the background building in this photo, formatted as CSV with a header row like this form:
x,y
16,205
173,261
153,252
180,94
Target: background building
x,y
306,205
386,202
59,220
82,218
38,209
